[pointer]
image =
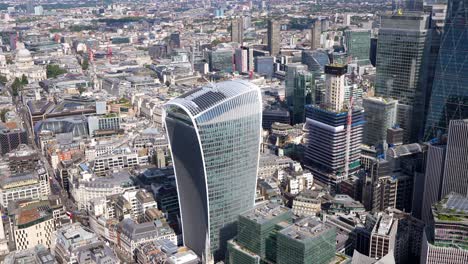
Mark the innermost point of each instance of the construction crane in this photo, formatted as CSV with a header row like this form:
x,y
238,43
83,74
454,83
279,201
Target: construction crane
x,y
349,123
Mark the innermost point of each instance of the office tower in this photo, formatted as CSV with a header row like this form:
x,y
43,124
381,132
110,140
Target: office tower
x,y
400,65
435,161
214,134
315,59
445,241
174,40
380,115
326,126
306,241
240,60
250,58
237,30
109,122
11,139
358,45
220,60
274,37
256,236
326,137
449,98
456,163
264,66
299,91
315,35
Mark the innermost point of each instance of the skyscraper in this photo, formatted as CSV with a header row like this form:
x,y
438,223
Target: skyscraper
x,y
274,37
214,135
326,126
456,164
358,45
400,71
299,91
315,34
449,98
241,60
237,30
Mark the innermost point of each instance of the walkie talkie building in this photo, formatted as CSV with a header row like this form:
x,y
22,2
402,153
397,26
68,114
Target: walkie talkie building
x,y
214,135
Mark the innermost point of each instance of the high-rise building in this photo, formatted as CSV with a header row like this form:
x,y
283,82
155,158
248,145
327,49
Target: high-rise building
x,y
380,115
214,134
240,60
237,30
449,98
274,37
264,65
358,45
326,127
335,87
445,241
456,164
315,34
413,5
299,91
400,65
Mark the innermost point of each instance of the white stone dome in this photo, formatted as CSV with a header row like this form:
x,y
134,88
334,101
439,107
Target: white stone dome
x,y
23,54
23,58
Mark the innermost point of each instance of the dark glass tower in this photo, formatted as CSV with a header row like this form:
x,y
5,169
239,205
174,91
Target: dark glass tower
x,y
214,135
449,99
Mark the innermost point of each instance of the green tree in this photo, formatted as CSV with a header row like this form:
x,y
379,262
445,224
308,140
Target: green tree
x,y
24,80
54,71
3,80
16,87
85,64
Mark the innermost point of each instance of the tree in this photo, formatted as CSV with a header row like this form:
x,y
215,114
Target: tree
x,y
24,80
85,64
168,83
16,87
54,71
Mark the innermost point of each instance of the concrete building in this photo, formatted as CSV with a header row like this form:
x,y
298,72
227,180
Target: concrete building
x,y
240,60
10,139
383,236
36,255
315,35
76,244
274,37
32,225
237,30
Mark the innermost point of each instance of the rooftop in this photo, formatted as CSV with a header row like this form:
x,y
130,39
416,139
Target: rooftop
x,y
453,208
305,229
201,99
265,212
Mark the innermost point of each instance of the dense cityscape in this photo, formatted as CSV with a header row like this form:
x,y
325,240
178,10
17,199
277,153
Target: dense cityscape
x,y
234,131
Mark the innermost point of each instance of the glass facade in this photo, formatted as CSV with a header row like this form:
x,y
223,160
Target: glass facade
x,y
214,134
221,60
358,45
449,99
401,49
300,91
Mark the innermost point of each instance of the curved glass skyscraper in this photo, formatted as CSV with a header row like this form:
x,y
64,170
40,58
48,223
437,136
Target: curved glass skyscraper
x,y
449,99
214,134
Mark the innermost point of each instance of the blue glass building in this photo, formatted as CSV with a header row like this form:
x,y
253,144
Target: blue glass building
x,y
449,98
214,135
